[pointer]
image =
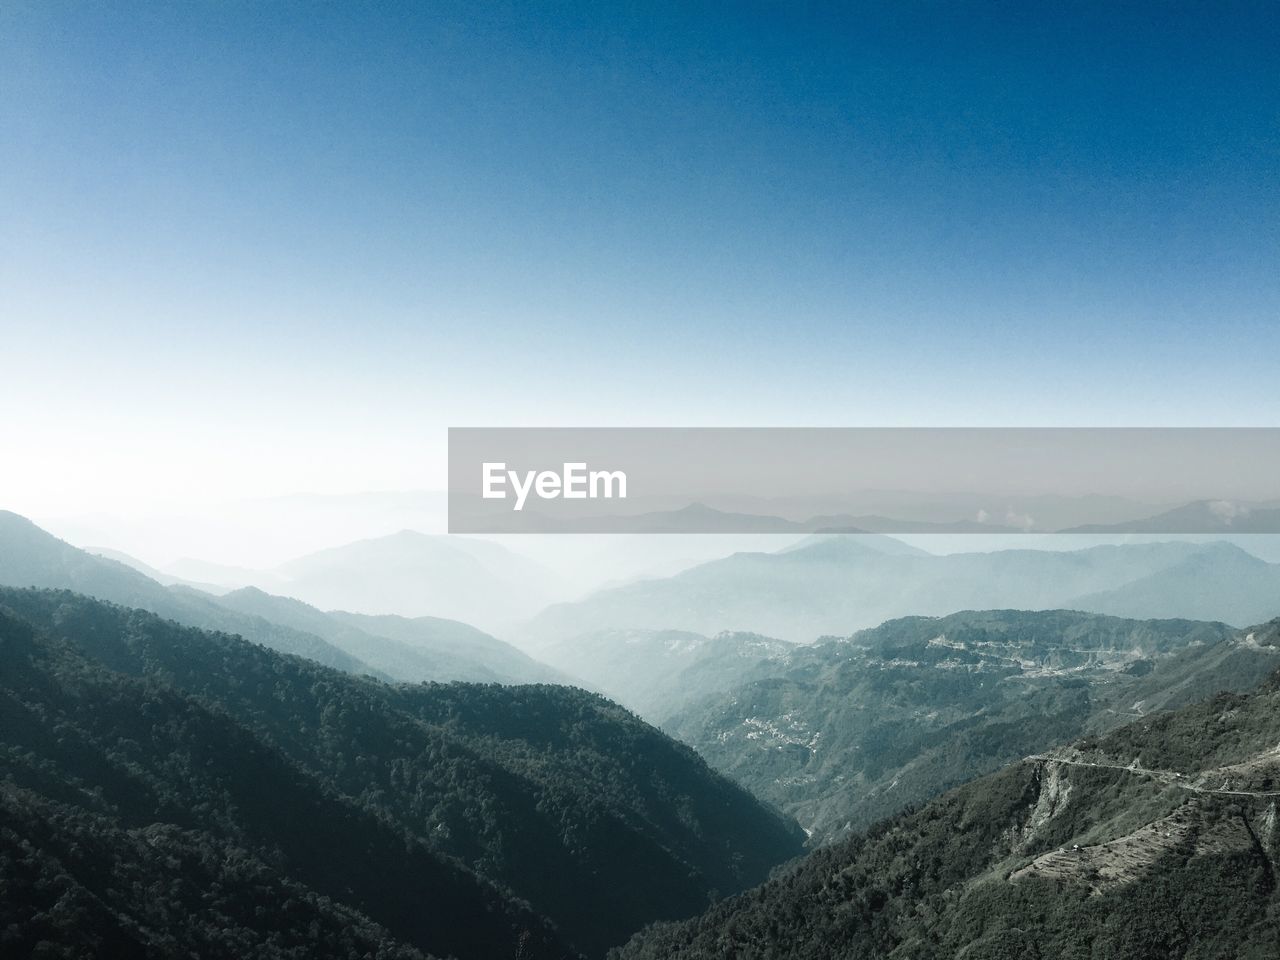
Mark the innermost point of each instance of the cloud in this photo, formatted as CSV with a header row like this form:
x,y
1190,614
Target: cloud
x,y
1014,519
1227,510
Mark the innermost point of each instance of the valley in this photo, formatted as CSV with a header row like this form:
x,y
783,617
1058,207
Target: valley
x,y
639,481
543,820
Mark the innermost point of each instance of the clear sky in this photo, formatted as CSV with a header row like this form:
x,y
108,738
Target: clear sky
x,y
257,248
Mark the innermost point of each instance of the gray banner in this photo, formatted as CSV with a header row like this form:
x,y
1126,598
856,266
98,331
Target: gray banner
x,y
869,480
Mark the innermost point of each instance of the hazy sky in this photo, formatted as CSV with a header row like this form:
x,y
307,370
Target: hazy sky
x,y
259,248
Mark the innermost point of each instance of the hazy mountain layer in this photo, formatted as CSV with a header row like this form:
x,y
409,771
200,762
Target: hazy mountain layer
x,y
30,557
1201,516
424,648
389,647
658,672
837,585
415,574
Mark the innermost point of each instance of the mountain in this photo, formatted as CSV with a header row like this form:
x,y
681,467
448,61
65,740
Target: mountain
x,y
425,648
415,574
1199,516
892,513
1155,841
1195,584
30,557
223,576
657,672
159,576
435,811
873,523
837,585
429,649
478,656
842,733
878,542
143,821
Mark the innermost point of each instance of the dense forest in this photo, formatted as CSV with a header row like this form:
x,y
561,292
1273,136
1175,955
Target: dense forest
x,y
845,732
1155,841
467,820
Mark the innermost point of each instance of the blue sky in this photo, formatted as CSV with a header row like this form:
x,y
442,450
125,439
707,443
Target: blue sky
x,y
263,247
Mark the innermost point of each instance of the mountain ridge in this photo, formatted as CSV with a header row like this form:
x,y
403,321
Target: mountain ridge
x,y
582,811
1157,840
843,732
832,589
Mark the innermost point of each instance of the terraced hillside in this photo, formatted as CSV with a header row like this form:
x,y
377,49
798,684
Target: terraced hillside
x,y
1156,841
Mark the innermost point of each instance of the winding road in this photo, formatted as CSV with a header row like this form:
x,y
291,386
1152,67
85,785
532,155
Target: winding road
x,y
1168,777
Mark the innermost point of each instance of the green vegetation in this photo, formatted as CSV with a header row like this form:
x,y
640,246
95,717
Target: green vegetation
x,y
842,733
1076,856
451,818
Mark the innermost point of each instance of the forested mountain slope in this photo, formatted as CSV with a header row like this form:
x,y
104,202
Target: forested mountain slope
x,y
125,796
368,793
1155,841
842,733
423,648
80,884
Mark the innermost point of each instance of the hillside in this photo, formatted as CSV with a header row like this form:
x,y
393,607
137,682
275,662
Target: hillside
x,y
116,783
842,733
387,647
79,884
159,576
1194,584
1156,841
30,557
837,585
595,820
424,648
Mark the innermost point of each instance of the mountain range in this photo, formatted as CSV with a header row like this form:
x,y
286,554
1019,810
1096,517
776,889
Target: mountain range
x,y
1154,841
414,574
428,648
941,514
407,573
179,791
832,586
1199,516
184,772
843,733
